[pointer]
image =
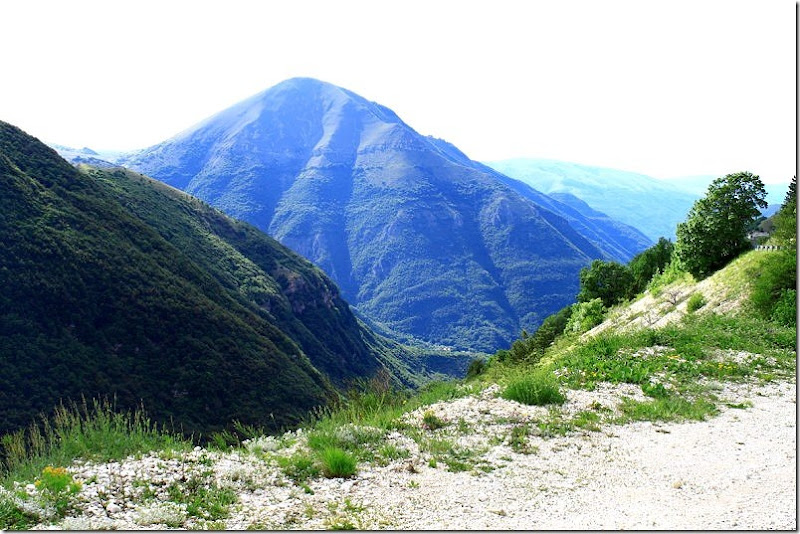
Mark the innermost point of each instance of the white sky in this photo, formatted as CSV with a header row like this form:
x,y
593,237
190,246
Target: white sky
x,y
662,87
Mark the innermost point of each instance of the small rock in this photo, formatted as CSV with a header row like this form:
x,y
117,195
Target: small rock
x,y
113,508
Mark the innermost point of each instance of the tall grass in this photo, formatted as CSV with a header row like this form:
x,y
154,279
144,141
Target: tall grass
x,y
382,407
537,388
93,430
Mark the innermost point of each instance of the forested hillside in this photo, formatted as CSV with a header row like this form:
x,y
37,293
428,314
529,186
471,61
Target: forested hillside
x,y
116,285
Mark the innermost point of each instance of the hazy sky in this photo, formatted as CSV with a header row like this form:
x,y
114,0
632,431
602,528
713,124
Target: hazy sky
x,y
666,88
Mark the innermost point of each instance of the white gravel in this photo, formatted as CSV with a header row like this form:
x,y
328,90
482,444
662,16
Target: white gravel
x,y
734,471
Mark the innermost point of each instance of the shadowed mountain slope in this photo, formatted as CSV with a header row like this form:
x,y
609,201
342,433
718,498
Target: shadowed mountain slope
x,y
118,285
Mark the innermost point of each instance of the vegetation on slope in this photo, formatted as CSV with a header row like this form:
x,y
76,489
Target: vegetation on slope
x,y
719,334
117,286
97,303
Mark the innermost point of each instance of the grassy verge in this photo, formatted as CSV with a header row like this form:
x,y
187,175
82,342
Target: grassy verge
x,y
40,453
95,431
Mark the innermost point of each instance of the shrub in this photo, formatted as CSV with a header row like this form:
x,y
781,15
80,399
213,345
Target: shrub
x,y
476,367
431,422
785,312
337,463
695,302
538,389
585,316
645,265
773,286
673,272
531,348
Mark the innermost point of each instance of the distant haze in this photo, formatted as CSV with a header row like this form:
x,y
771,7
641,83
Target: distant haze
x,y
665,89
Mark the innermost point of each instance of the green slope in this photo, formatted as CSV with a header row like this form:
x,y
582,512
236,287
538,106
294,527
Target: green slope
x,y
115,285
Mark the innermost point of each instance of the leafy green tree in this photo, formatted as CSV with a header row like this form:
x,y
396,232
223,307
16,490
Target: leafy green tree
x,y
531,348
715,231
646,264
609,281
786,219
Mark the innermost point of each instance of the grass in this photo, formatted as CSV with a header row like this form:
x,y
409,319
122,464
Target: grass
x,y
676,367
695,302
518,439
537,388
95,431
203,498
431,421
670,408
337,463
298,467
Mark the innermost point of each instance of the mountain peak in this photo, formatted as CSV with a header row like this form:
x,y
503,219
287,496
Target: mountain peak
x,y
422,240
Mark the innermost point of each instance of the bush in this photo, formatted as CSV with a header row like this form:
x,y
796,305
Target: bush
x,y
537,389
772,287
585,316
673,272
337,463
695,302
476,368
531,348
785,312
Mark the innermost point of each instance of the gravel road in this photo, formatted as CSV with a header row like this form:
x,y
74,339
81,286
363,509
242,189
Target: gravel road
x,y
736,470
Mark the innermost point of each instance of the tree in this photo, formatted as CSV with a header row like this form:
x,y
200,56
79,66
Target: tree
x,y
786,218
715,231
646,264
609,281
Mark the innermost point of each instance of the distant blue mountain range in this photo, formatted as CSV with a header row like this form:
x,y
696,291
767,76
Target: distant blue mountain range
x,y
652,205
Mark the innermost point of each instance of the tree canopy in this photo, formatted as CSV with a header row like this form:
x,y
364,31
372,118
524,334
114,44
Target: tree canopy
x,y
647,263
786,218
609,281
715,231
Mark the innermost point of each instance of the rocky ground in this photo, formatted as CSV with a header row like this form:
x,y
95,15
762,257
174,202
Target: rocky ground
x,y
736,470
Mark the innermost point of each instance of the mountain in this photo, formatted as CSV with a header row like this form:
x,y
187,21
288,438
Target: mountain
x,y
618,240
653,206
117,285
421,240
86,156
